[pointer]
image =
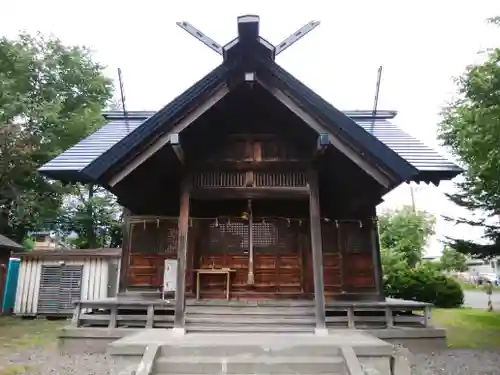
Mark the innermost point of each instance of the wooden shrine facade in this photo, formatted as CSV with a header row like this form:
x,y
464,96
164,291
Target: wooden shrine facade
x,y
278,265
252,172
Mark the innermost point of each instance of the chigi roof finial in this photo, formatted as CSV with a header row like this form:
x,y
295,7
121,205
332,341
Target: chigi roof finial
x,y
248,31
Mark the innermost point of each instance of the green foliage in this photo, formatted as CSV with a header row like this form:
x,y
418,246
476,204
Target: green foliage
x,y
405,232
452,260
29,243
51,96
93,215
470,127
424,284
403,236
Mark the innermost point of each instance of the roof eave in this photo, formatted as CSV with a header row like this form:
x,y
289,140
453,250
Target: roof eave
x,y
436,176
113,157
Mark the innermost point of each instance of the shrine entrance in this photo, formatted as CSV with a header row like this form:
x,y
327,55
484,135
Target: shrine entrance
x,y
266,255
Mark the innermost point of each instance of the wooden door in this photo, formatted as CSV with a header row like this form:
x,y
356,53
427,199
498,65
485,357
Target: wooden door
x,y
222,243
277,257
276,252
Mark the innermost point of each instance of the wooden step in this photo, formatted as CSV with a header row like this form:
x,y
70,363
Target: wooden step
x,y
229,310
248,328
245,319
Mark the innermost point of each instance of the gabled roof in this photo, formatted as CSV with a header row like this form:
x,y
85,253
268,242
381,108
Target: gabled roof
x,y
7,243
105,151
432,166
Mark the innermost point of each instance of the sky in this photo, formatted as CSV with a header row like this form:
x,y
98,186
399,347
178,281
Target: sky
x,y
421,46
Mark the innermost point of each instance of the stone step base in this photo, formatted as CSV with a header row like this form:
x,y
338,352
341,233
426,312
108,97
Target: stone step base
x,y
250,365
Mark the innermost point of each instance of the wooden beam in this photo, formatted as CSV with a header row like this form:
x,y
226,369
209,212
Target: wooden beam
x,y
165,138
317,253
124,261
250,193
175,140
338,143
182,244
376,259
248,165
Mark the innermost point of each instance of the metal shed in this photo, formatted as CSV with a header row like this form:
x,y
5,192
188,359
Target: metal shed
x,y
7,246
51,280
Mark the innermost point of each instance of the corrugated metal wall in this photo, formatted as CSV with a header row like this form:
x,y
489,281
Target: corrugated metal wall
x,y
94,281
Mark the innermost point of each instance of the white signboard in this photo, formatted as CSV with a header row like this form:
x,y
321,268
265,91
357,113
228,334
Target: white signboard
x,y
170,275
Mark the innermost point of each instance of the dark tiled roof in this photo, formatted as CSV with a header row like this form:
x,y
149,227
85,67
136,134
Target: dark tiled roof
x,y
429,162
335,120
405,156
7,243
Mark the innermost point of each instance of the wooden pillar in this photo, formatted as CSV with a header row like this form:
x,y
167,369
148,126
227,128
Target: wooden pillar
x,y
125,258
182,245
317,253
377,261
250,279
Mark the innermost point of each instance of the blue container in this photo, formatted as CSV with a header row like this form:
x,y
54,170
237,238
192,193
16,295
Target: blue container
x,y
9,297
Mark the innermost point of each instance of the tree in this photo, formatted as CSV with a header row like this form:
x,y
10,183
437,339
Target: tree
x,y
470,127
51,96
452,260
91,218
405,231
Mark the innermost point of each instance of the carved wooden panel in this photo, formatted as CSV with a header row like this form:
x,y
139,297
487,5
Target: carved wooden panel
x,y
359,273
355,237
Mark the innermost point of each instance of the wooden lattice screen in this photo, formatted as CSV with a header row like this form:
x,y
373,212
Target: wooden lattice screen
x,y
154,236
355,237
229,236
274,236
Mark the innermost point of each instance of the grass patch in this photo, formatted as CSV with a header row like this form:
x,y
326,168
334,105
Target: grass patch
x,y
469,328
14,369
17,333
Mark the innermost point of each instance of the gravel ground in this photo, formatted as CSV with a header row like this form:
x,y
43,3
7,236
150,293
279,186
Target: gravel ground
x,y
50,361
457,362
45,361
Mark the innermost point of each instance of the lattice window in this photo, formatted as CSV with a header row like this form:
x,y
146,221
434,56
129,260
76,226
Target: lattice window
x,y
219,179
288,179
273,236
230,236
154,237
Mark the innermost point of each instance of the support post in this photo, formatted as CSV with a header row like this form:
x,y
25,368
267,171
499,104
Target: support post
x,y
182,245
317,253
377,261
124,262
250,280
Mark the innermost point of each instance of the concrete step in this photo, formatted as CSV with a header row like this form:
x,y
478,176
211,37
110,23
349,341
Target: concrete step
x,y
233,346
330,373
250,365
245,319
223,327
